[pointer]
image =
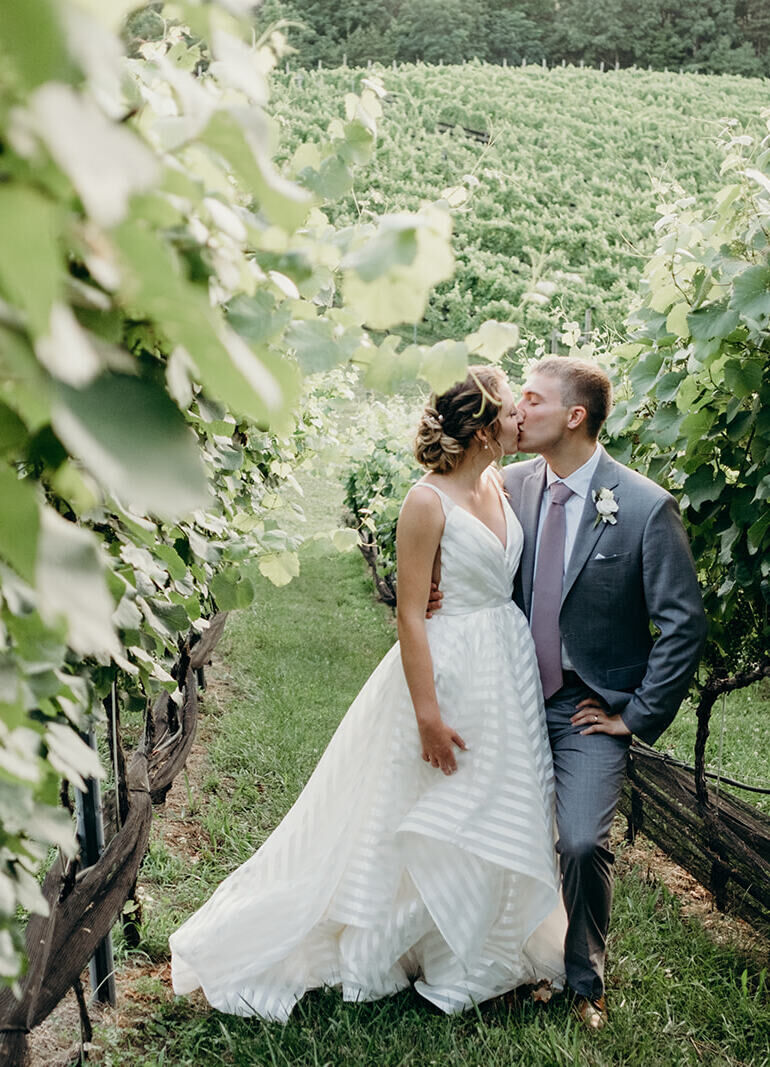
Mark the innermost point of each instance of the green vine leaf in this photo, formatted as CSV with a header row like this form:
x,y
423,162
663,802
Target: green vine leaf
x,y
133,440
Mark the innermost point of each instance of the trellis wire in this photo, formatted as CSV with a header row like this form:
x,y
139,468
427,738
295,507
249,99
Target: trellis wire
x,y
721,743
665,758
118,820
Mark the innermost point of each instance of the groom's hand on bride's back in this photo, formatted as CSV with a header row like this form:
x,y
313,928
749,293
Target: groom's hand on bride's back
x,y
435,596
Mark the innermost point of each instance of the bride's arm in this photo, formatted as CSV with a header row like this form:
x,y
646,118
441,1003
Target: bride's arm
x,y
420,526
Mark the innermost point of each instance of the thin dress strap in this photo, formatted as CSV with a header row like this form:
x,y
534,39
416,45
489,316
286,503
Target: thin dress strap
x,y
498,484
445,498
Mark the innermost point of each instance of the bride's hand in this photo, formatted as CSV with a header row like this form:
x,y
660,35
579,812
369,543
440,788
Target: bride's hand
x,y
438,742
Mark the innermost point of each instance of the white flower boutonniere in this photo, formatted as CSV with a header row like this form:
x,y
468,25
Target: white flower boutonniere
x,y
606,506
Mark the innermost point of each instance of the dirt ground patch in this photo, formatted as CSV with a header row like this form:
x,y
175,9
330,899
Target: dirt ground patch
x,y
139,984
697,902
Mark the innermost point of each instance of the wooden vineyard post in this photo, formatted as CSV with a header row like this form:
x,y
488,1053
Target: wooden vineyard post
x,y
87,896
91,837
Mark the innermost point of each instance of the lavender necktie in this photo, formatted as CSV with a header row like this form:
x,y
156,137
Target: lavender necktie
x,y
547,589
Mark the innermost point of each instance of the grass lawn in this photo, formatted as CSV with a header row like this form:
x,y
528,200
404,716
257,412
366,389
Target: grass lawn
x,y
287,671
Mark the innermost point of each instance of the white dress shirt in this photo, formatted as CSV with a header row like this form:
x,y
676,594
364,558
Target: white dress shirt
x,y
580,483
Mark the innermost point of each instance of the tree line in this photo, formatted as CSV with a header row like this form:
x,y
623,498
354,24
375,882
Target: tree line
x,y
710,36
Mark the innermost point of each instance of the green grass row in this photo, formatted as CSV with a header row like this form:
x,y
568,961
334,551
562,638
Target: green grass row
x,y
289,668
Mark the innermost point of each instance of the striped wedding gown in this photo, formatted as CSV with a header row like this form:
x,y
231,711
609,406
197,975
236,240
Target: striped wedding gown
x,y
387,871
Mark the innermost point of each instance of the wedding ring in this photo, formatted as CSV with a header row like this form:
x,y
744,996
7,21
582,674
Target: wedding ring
x,y
596,718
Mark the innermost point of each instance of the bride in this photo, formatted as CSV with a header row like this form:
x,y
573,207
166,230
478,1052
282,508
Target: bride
x,y
422,847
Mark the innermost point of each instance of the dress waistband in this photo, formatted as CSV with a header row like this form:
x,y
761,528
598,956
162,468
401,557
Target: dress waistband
x,y
447,611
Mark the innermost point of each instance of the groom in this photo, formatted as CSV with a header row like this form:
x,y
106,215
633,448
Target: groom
x,y
605,567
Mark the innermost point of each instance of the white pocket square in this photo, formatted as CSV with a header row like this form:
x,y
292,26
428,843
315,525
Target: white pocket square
x,y
600,556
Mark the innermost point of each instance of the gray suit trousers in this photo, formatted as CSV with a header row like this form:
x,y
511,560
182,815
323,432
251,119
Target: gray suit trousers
x,y
589,773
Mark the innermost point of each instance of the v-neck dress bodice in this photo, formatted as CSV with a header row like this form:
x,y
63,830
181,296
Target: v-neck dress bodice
x,y
477,570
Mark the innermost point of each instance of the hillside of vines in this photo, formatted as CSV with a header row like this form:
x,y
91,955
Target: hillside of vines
x,y
555,213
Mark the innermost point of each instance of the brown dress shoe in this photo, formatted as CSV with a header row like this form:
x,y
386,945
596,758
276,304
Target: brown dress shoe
x,y
542,992
591,1013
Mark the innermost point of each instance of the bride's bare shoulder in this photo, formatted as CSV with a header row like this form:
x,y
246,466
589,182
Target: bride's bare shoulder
x,y
421,518
423,502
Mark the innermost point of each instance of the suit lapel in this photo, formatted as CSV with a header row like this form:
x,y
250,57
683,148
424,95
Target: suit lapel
x,y
529,516
589,531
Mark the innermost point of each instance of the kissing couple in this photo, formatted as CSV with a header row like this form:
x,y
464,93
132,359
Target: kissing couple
x,y
455,833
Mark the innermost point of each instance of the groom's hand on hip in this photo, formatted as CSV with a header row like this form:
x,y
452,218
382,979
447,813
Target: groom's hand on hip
x,y
594,717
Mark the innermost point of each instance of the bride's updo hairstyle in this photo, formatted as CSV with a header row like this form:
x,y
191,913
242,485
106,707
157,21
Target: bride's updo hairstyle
x,y
450,421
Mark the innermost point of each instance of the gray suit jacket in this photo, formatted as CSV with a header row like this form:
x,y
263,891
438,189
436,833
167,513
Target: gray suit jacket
x,y
622,581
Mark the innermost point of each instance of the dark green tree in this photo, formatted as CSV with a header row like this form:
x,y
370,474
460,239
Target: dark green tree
x,y
692,34
436,30
754,20
511,33
592,30
360,30
714,36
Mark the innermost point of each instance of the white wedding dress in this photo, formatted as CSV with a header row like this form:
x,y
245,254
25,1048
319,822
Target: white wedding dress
x,y
386,870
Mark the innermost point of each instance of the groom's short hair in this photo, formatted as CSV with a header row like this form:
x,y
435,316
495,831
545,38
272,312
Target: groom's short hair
x,y
582,383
